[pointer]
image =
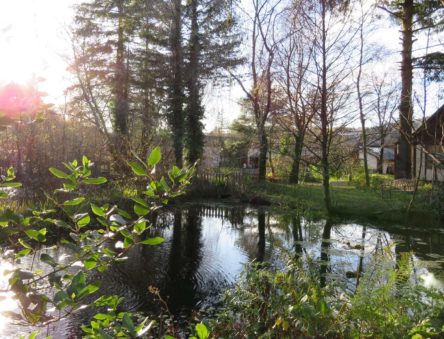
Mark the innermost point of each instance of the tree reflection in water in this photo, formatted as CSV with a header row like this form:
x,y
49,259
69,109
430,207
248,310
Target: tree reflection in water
x,y
184,260
325,256
261,231
207,246
296,222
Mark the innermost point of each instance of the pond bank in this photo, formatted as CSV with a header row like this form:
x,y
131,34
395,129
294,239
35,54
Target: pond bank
x,y
349,202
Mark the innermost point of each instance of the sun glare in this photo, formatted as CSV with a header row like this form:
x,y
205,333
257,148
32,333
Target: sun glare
x,y
33,41
7,302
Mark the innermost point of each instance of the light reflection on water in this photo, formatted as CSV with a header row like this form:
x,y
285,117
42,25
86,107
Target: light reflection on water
x,y
7,301
207,246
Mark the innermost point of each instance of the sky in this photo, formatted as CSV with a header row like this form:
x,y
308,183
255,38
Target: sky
x,y
34,45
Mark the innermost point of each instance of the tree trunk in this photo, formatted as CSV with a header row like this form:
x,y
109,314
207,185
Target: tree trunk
x,y
175,114
381,158
270,161
263,149
120,139
404,161
294,174
121,90
361,106
194,112
18,143
324,117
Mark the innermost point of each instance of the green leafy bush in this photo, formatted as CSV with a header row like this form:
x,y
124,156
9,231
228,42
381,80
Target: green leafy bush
x,y
90,229
376,179
270,304
313,174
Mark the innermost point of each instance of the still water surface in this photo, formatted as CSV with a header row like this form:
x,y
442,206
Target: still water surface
x,y
207,246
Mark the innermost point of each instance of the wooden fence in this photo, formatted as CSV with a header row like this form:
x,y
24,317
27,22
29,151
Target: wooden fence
x,y
233,180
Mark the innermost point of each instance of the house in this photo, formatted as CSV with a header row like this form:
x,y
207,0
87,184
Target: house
x,y
428,148
373,159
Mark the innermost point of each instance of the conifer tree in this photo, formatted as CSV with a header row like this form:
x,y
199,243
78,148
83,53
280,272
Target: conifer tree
x,y
175,114
414,16
212,45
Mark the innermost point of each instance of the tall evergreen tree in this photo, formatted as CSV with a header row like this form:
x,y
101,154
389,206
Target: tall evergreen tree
x,y
148,71
100,42
212,45
121,68
194,112
175,113
131,60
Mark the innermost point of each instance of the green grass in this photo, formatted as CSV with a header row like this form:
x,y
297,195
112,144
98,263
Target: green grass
x,y
349,202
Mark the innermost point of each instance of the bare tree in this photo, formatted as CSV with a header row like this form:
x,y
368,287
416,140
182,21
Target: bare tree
x,y
330,25
384,105
362,21
261,60
300,95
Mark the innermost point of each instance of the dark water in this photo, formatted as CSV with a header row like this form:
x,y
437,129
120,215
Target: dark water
x,y
207,246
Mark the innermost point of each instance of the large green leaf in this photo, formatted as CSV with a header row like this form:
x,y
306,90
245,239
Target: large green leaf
x,y
95,181
153,241
24,244
98,210
37,235
11,184
88,289
82,219
58,173
85,161
137,168
141,210
154,157
140,201
202,331
74,202
140,227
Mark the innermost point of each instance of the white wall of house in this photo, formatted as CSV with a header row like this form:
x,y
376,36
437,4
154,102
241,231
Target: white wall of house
x,y
372,162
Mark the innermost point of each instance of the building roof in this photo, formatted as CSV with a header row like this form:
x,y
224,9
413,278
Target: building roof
x,y
431,131
389,153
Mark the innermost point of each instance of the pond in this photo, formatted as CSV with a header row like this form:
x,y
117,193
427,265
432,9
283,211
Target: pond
x,y
207,246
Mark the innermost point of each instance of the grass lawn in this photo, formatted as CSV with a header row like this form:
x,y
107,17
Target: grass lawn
x,y
350,202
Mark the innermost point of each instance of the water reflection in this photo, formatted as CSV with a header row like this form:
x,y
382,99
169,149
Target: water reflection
x,y
261,231
207,246
325,255
360,269
296,223
7,302
181,283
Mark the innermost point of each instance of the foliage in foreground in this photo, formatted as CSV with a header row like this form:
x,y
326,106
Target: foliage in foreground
x,y
291,304
97,235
